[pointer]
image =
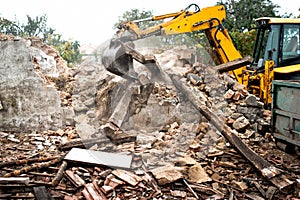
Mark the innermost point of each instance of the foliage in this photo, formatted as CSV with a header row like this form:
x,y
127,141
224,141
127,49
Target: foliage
x,y
241,14
68,50
135,14
240,20
9,27
244,41
37,27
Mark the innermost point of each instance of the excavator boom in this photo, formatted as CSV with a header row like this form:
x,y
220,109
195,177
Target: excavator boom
x,y
276,52
209,20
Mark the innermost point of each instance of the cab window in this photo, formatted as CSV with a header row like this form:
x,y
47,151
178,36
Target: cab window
x,y
290,45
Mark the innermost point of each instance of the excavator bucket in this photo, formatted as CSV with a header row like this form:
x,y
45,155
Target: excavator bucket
x,y
117,60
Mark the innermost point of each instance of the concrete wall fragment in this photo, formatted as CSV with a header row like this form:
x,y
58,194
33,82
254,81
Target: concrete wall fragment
x,y
28,102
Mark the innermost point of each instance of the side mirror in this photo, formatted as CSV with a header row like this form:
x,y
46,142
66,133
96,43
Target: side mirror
x,y
260,63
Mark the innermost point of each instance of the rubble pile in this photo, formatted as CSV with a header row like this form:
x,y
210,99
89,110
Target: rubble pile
x,y
229,99
173,152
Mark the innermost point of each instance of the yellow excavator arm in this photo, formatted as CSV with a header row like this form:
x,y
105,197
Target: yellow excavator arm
x,y
276,52
208,19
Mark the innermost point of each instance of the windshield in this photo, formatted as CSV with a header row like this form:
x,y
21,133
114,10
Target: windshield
x,y
282,41
290,45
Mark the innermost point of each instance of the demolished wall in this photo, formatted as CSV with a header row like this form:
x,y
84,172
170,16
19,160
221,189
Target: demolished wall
x,y
99,96
29,98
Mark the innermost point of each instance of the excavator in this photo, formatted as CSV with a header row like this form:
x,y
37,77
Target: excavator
x,y
276,54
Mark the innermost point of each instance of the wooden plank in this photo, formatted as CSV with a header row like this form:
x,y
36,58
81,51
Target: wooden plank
x,y
235,64
41,193
74,178
5,196
127,176
59,174
99,158
112,181
87,195
14,180
98,189
35,166
93,191
27,161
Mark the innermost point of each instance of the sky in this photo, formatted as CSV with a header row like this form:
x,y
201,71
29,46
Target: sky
x,y
91,21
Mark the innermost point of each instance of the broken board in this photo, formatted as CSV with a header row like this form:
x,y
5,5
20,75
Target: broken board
x,y
99,158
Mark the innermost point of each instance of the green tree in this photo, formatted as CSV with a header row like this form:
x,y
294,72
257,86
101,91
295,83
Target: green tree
x,y
240,20
37,27
9,27
241,14
141,18
244,41
136,14
69,50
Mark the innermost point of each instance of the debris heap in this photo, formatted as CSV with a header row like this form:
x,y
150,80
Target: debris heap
x,y
176,151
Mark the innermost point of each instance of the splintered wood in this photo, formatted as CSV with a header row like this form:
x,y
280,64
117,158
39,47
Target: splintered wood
x,y
33,167
15,180
92,191
75,179
128,177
